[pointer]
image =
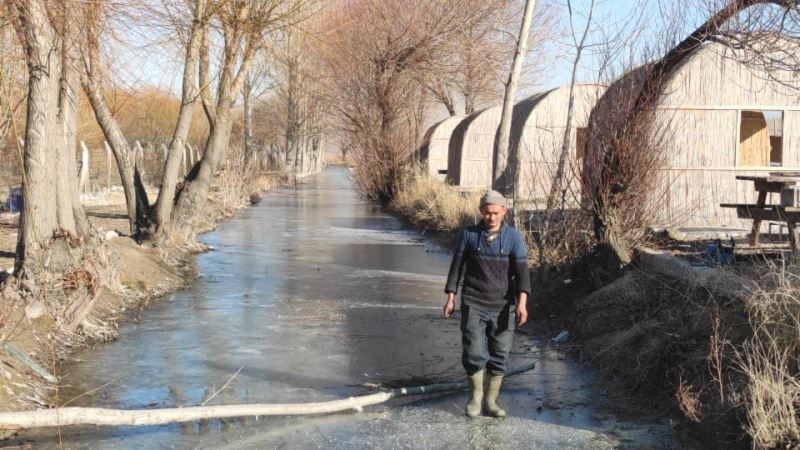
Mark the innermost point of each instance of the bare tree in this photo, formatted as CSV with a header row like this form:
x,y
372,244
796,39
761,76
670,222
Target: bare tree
x,y
557,190
501,180
240,28
93,80
52,220
298,103
12,78
192,33
477,55
375,68
259,80
481,53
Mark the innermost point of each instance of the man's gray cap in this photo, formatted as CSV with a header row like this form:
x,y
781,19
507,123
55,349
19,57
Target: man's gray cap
x,y
493,198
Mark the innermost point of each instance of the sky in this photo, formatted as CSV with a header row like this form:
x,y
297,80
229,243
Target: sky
x,y
142,57
627,28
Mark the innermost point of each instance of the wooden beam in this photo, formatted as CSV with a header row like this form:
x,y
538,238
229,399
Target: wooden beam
x,y
759,215
59,417
792,107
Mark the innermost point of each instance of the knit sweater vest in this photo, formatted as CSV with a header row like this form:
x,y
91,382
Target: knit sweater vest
x,y
494,272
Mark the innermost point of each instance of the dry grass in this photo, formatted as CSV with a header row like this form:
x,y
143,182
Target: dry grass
x,y
235,182
729,359
434,204
770,359
773,392
688,400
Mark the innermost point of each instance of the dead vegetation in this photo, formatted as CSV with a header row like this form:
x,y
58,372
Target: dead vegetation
x,y
724,356
770,359
433,204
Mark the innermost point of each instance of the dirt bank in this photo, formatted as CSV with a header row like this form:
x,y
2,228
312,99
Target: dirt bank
x,y
688,340
42,327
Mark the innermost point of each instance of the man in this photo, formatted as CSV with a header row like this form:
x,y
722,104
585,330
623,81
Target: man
x,y
491,256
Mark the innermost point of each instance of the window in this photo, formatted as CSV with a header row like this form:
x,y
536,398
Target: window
x,y
580,142
761,138
775,127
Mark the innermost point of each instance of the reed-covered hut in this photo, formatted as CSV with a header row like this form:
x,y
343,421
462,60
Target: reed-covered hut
x,y
435,146
716,118
537,137
469,160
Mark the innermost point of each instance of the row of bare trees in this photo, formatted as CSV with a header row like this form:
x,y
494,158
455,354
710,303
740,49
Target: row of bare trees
x,y
370,69
293,115
68,48
388,62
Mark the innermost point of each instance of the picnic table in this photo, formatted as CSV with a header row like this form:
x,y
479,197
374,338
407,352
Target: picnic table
x,y
760,211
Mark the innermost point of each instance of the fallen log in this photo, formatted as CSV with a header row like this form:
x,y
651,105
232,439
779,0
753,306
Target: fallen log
x,y
119,417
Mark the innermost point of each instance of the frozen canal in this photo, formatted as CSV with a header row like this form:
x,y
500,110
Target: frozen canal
x,y
310,295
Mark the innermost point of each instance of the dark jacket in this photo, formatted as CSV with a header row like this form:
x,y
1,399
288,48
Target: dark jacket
x,y
494,272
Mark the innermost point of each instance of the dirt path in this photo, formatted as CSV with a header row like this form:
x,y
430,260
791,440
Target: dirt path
x,y
106,210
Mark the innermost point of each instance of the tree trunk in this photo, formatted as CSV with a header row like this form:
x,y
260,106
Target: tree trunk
x,y
440,91
240,39
292,132
138,209
556,187
249,145
50,187
502,181
169,179
192,200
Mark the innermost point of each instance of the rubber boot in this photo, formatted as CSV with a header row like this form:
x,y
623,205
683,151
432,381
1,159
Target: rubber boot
x,y
473,408
492,391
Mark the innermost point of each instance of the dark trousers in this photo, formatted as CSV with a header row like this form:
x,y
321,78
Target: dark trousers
x,y
486,337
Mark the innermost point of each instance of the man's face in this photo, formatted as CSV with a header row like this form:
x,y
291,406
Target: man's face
x,y
493,215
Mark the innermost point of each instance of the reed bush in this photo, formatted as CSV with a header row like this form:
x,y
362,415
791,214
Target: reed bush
x,y
770,359
434,204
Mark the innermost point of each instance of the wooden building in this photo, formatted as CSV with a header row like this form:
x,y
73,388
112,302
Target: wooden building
x,y
435,146
469,156
716,118
537,134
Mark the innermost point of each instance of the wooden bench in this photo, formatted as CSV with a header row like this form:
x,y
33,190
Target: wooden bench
x,y
753,211
776,213
774,182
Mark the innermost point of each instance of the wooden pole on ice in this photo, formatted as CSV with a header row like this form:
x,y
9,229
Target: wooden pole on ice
x,y
117,417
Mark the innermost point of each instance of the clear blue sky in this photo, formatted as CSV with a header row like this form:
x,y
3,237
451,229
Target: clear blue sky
x,y
628,28
143,57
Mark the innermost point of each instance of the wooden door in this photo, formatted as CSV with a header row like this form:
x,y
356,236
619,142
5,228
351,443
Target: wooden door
x,y
754,145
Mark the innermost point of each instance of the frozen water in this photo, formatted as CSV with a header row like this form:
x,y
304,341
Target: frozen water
x,y
312,294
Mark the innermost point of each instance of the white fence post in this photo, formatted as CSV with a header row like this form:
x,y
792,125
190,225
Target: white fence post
x,y
83,178
108,164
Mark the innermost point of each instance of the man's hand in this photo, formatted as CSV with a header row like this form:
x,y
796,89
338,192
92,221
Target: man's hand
x,y
522,309
450,306
522,315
